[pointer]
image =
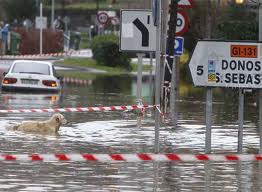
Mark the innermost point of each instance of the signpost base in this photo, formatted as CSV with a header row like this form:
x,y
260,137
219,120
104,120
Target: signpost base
x,y
209,98
240,119
260,120
139,76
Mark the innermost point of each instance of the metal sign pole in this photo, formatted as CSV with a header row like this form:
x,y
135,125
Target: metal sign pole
x,y
53,14
139,85
240,121
172,60
41,27
260,120
164,20
209,99
151,78
173,93
139,77
157,77
260,91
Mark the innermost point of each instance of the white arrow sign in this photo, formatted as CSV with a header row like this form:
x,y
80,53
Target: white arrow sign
x,y
227,64
185,3
138,32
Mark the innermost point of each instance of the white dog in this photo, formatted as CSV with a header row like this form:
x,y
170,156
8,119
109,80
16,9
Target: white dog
x,y
51,125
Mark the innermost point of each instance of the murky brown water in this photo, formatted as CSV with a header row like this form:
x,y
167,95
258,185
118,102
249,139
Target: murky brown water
x,y
116,132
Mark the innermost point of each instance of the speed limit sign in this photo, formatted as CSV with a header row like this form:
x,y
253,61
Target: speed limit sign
x,y
181,22
102,17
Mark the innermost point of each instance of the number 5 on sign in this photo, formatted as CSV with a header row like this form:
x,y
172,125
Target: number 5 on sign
x,y
200,70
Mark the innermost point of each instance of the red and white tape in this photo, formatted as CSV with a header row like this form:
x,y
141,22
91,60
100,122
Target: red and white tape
x,y
141,157
79,109
82,53
34,56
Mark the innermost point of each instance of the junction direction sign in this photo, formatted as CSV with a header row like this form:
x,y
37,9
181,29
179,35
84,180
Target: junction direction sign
x,y
227,64
137,31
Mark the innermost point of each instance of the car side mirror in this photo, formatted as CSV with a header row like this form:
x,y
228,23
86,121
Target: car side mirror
x,y
4,73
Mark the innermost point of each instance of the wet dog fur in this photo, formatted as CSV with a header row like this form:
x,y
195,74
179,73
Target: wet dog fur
x,y
50,126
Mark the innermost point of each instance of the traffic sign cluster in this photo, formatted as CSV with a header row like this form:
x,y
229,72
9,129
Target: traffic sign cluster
x,y
138,28
103,18
181,25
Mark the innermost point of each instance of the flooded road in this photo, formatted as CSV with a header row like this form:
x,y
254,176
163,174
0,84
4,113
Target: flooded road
x,y
118,132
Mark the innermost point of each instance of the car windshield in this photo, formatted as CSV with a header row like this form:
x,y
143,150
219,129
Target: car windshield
x,y
32,67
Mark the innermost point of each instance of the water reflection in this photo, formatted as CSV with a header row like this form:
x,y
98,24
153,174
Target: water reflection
x,y
116,132
16,100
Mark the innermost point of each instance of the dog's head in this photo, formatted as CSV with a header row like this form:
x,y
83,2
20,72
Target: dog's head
x,y
59,118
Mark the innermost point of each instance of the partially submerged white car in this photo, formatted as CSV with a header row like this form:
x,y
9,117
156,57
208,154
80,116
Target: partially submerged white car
x,y
30,75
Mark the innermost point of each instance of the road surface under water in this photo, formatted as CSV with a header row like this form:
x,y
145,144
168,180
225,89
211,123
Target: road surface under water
x,y
118,132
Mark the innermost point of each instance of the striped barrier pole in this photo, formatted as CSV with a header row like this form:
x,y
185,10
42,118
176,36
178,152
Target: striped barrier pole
x,y
140,157
78,109
61,54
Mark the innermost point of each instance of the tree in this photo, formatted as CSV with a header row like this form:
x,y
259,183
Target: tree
x,y
239,22
20,10
226,22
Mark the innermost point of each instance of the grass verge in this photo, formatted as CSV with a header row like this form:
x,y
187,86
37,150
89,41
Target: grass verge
x,y
78,75
91,63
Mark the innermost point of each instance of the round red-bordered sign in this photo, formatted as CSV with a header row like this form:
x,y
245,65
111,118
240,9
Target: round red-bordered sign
x,y
185,4
115,21
102,18
181,22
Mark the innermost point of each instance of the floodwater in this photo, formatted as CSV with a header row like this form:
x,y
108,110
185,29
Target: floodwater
x,y
118,132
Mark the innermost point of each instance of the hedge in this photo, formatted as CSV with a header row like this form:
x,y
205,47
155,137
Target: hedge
x,y
105,50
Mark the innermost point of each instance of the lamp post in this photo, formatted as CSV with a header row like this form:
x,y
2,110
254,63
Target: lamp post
x,y
53,14
41,27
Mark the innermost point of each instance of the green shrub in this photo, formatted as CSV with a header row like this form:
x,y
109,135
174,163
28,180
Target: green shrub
x,y
105,50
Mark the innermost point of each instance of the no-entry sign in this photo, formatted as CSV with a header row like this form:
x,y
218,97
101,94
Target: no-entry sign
x,y
227,64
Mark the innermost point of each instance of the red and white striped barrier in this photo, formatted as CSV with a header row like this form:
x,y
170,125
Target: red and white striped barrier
x,y
73,53
79,53
141,157
79,109
71,80
34,56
